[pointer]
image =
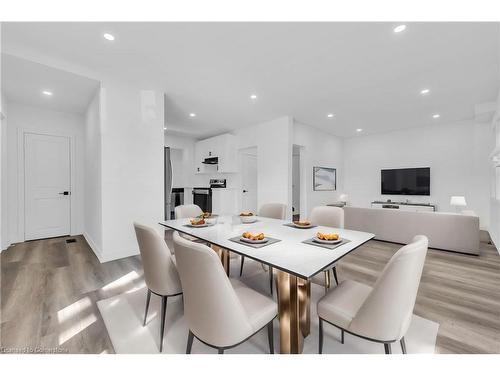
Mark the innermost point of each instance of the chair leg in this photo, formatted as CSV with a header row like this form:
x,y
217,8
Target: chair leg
x,y
163,315
148,298
387,348
334,269
342,336
271,279
403,345
270,336
221,351
320,346
241,265
190,342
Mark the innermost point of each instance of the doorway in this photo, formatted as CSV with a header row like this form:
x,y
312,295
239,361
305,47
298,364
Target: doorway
x,y
248,158
47,186
296,182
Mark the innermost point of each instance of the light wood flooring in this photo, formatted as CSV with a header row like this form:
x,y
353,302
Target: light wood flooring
x,y
49,290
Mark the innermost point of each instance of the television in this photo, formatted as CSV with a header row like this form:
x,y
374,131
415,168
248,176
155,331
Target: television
x,y
406,181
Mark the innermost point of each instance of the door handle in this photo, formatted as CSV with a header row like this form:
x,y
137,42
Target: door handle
x,y
245,191
64,193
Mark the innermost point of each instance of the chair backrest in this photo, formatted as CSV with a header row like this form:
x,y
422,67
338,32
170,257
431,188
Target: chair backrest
x,y
273,210
186,211
386,314
213,311
327,216
160,272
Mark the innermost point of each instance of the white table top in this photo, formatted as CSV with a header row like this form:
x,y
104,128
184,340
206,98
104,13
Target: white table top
x,y
289,254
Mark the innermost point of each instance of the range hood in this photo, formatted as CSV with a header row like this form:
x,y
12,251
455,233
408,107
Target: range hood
x,y
213,160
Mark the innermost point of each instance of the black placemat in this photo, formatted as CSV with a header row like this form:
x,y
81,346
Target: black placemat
x,y
255,245
291,225
326,246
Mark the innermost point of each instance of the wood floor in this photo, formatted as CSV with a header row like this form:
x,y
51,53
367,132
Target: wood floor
x,y
49,290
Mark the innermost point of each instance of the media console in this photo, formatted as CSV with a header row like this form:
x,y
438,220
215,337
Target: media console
x,y
405,206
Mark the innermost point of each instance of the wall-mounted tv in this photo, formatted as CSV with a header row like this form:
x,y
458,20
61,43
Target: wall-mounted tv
x,y
406,181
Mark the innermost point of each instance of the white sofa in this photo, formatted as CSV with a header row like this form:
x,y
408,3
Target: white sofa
x,y
446,231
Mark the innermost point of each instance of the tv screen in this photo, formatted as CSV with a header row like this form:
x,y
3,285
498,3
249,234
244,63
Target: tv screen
x,y
408,181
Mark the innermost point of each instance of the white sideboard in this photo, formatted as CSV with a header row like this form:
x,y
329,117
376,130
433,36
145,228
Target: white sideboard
x,y
414,207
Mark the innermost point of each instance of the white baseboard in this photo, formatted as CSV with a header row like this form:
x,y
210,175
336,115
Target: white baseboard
x,y
108,257
4,246
93,246
118,255
496,241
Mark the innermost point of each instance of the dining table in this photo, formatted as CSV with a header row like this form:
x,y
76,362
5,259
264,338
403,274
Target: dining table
x,y
295,258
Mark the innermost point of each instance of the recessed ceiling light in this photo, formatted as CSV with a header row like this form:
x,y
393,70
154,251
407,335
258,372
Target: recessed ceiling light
x,y
425,91
108,36
399,28
436,115
359,130
192,115
48,93
164,128
253,96
330,115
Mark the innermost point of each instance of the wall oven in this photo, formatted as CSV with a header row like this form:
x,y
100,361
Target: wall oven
x,y
202,196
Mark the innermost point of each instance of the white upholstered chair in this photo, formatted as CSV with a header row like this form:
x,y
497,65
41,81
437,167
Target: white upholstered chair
x,y
382,313
220,312
160,271
273,211
327,216
186,211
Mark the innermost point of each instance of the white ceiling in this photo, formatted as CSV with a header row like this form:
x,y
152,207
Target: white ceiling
x,y
366,74
24,81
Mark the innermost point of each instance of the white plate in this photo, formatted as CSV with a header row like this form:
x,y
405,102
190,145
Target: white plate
x,y
247,240
200,226
302,226
248,219
327,242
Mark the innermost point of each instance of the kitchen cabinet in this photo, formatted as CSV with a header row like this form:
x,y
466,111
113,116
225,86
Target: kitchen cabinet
x,y
223,147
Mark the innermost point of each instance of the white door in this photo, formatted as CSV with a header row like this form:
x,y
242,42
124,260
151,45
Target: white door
x,y
249,182
47,186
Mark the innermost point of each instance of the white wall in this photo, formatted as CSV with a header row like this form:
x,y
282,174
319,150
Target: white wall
x,y
92,175
458,155
296,182
132,165
317,149
494,229
274,159
24,118
4,242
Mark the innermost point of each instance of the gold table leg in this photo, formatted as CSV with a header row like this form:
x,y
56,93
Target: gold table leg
x,y
327,280
294,312
305,306
224,255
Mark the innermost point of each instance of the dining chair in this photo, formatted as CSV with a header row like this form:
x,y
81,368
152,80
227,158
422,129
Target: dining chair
x,y
272,211
186,211
220,312
160,271
327,216
382,313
